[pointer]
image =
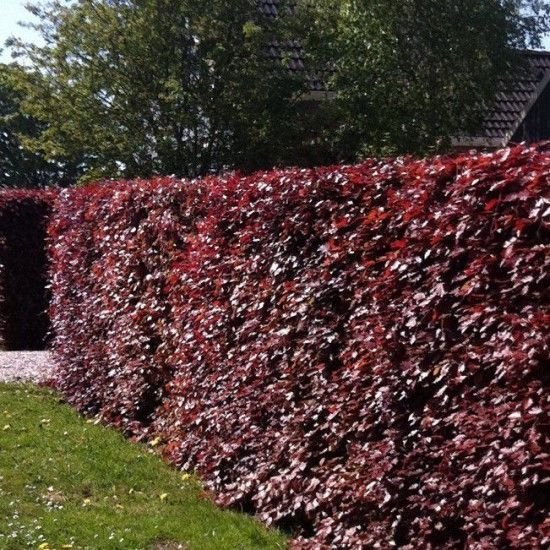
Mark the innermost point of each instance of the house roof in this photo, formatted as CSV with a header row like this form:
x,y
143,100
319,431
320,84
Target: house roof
x,y
269,7
291,52
512,103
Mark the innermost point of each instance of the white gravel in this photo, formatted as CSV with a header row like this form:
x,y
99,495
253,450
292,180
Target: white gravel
x,y
25,366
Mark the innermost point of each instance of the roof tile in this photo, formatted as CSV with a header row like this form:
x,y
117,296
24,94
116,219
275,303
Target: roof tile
x,y
514,96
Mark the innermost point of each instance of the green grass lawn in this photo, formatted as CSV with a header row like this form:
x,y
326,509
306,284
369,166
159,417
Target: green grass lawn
x,y
68,483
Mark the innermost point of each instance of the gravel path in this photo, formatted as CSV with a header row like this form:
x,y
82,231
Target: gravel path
x,y
25,366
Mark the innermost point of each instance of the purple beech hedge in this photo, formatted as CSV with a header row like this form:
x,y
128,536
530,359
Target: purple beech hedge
x,y
24,215
357,354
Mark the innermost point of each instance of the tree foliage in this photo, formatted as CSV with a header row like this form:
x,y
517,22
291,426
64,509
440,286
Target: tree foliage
x,y
137,87
20,167
125,88
410,74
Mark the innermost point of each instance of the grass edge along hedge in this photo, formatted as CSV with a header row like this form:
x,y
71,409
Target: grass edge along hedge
x,y
356,354
24,215
85,486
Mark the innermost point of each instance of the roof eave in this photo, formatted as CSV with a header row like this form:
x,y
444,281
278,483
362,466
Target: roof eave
x,y
478,142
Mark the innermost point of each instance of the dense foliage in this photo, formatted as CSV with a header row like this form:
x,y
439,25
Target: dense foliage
x,y
184,87
357,353
135,88
24,215
410,75
20,167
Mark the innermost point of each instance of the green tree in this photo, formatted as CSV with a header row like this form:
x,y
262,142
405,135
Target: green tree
x,y
408,75
18,166
138,87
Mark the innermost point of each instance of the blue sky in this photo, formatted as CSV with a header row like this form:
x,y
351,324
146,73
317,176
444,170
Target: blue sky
x,y
12,11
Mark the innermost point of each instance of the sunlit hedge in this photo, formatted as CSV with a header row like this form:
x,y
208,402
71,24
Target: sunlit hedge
x,y
355,353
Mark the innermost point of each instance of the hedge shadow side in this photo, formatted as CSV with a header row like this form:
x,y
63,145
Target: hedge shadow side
x,y
24,215
354,353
